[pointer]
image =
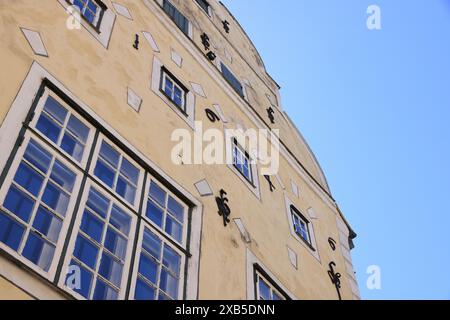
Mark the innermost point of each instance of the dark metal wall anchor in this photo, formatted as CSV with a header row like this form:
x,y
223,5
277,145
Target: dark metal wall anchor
x,y
136,42
335,278
224,209
270,114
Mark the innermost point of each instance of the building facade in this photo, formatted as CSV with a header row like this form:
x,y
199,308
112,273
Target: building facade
x,y
97,201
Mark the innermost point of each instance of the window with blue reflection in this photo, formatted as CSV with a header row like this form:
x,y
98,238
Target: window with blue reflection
x,y
165,211
37,201
232,80
117,172
159,270
241,161
173,91
101,246
89,9
63,128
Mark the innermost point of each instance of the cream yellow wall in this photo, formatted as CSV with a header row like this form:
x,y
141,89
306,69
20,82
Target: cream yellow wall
x,y
8,291
100,77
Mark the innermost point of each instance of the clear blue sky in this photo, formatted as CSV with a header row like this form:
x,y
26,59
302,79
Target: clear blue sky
x,y
375,108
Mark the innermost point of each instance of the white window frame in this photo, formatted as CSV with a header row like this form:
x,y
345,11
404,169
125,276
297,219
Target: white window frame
x,y
101,32
98,14
95,157
39,109
210,10
219,63
240,152
50,274
73,237
138,255
302,224
260,277
254,185
311,247
166,77
9,131
183,242
188,114
175,27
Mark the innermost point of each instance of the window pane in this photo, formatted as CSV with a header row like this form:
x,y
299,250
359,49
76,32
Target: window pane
x,y
73,147
109,154
116,244
158,194
48,224
63,176
174,228
104,292
29,179
148,268
85,282
11,232
86,252
104,173
152,244
264,290
110,269
56,199
171,260
92,226
98,203
168,283
143,291
168,88
154,213
126,190
48,127
78,129
18,203
129,171
176,209
55,109
37,156
39,251
120,220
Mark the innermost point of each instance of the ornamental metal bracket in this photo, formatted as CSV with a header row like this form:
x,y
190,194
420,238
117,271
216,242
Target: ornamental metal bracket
x,y
332,243
224,209
271,186
335,278
270,114
226,26
136,42
205,41
212,116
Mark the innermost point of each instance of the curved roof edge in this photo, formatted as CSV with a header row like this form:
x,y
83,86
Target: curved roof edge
x,y
251,43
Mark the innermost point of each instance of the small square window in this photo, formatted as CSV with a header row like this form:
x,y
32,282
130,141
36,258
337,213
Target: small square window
x,y
266,290
173,90
301,226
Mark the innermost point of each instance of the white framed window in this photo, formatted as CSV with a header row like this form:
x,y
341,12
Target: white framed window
x,y
100,247
63,128
91,10
300,225
160,265
165,211
118,172
95,17
242,161
205,6
266,290
37,199
232,80
173,90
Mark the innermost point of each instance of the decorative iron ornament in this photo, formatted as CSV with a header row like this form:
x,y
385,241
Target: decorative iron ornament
x,y
224,209
205,41
332,243
136,42
271,186
212,116
270,114
211,56
335,278
226,26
